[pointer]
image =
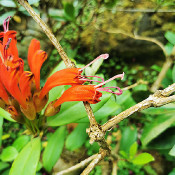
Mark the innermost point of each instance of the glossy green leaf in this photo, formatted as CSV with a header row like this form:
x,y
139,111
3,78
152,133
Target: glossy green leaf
x,y
27,160
8,154
170,36
54,148
172,151
73,111
155,128
77,137
129,136
69,11
20,142
3,165
142,159
1,130
7,3
133,150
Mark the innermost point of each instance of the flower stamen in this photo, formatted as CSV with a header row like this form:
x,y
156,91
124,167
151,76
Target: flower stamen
x,y
6,23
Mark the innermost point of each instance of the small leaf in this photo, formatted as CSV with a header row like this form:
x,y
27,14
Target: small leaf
x,y
172,151
77,137
69,11
3,165
27,160
129,136
54,148
170,36
169,48
8,154
133,150
7,3
142,159
6,115
20,142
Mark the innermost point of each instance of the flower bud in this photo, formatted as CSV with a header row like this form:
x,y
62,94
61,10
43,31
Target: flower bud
x,y
51,110
39,103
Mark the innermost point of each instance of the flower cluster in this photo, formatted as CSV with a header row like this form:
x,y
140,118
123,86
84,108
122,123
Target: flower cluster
x,y
20,91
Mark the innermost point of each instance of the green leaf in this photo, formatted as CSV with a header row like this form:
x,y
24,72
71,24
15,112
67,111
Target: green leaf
x,y
166,109
27,160
133,150
129,136
20,142
1,130
169,48
173,73
172,151
170,36
69,11
155,128
73,111
7,3
141,87
5,15
3,165
8,154
6,115
142,159
33,1
77,137
54,148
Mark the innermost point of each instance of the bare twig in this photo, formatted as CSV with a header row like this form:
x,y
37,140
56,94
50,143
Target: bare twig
x,y
159,98
134,85
167,64
146,10
77,166
65,58
96,160
114,167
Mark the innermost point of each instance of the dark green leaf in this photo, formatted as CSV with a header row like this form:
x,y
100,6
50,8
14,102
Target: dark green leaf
x,y
129,136
1,130
54,148
77,137
8,154
155,128
69,11
27,160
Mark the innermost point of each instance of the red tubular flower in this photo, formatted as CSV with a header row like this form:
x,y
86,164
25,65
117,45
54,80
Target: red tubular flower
x,y
80,93
69,76
3,93
89,93
36,58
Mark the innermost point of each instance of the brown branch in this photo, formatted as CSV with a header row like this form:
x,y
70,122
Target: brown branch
x,y
159,98
77,166
167,64
95,132
96,160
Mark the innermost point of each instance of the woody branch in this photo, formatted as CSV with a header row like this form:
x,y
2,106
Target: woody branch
x,y
95,132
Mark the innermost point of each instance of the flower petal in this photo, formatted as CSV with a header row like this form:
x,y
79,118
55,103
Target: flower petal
x,y
69,76
3,93
25,83
80,93
38,59
33,47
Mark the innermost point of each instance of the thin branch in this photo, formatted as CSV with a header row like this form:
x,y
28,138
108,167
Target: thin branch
x,y
146,10
96,160
134,85
167,64
159,98
63,55
77,166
